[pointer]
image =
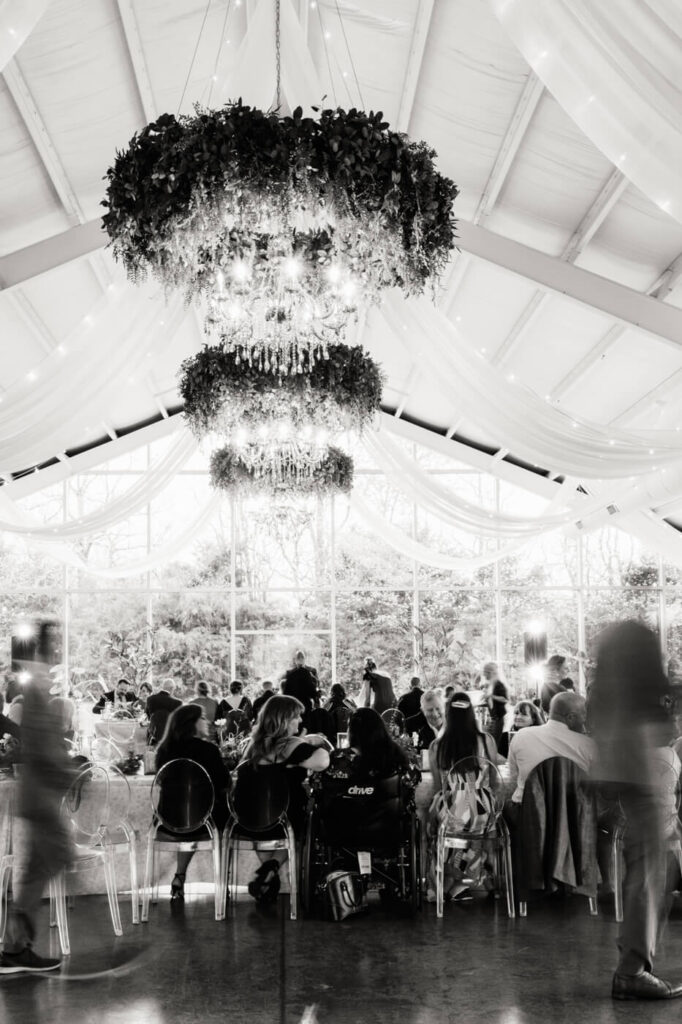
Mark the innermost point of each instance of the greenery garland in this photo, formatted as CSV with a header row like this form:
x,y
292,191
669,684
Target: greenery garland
x,y
232,472
222,390
193,193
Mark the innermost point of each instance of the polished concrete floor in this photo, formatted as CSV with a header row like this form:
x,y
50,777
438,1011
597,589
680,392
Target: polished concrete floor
x,y
473,966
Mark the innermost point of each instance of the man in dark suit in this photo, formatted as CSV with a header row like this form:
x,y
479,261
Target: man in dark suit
x,y
409,702
302,683
120,697
268,690
161,701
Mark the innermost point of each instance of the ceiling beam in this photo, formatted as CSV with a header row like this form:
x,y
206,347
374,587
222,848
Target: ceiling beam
x,y
624,304
32,318
93,457
666,284
422,23
41,257
588,361
556,275
658,393
35,126
608,196
133,39
509,147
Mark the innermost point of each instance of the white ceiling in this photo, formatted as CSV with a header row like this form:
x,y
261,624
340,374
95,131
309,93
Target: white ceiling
x,y
93,72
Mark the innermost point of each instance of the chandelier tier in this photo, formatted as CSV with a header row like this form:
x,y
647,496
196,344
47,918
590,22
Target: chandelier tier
x,y
284,226
225,395
290,468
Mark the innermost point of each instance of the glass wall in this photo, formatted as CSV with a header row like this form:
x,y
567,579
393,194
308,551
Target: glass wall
x,y
262,580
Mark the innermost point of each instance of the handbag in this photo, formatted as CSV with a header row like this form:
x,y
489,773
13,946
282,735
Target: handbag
x,y
345,894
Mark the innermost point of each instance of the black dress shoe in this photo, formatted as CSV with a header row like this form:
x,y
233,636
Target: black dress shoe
x,y
643,986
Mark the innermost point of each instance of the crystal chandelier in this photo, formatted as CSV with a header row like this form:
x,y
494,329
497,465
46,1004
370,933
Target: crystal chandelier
x,y
284,227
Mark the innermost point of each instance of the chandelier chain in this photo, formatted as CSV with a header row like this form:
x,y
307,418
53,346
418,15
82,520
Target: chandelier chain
x,y
278,50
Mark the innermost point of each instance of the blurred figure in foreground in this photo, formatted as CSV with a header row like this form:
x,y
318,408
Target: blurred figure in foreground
x,y
44,779
631,720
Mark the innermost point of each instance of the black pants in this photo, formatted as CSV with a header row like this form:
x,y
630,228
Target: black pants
x,y
644,889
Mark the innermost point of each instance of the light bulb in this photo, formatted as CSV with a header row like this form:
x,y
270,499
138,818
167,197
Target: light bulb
x,y
536,627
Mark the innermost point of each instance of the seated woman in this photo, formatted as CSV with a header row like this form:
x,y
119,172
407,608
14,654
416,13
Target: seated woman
x,y
236,700
428,723
143,694
526,715
371,752
275,746
209,707
185,736
460,738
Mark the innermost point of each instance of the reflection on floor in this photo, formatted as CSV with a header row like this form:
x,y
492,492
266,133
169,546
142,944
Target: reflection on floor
x,y
259,967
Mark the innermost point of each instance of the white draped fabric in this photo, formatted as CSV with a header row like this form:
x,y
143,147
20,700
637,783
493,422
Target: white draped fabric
x,y
44,413
514,417
616,69
253,74
18,18
406,474
168,552
411,548
144,490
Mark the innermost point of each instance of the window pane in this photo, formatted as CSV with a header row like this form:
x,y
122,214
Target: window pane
x,y
613,558
191,640
280,610
269,657
375,624
605,606
362,557
108,637
457,635
557,610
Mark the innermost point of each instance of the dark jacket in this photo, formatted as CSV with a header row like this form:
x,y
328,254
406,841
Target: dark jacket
x,y
409,702
302,683
260,701
161,701
556,837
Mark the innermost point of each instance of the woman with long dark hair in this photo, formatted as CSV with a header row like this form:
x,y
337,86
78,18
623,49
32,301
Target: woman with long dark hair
x,y
461,738
185,736
375,752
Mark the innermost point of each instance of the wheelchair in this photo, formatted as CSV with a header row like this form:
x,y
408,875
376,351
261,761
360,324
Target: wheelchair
x,y
348,816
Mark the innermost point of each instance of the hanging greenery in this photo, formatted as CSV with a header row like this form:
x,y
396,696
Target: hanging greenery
x,y
223,391
280,474
193,194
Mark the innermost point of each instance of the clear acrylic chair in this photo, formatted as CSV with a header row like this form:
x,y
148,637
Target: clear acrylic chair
x,y
104,751
6,857
258,820
182,801
473,798
96,808
394,721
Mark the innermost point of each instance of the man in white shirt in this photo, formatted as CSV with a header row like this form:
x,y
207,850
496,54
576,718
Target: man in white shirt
x,y
561,736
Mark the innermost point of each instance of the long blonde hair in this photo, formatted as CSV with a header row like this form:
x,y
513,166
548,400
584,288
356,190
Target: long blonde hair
x,y
271,732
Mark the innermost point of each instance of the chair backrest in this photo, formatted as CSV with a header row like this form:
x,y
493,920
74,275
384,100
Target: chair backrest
x,y
473,796
260,798
86,805
361,811
394,721
182,796
556,837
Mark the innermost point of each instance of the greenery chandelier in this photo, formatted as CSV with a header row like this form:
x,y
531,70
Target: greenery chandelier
x,y
232,398
281,472
286,226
